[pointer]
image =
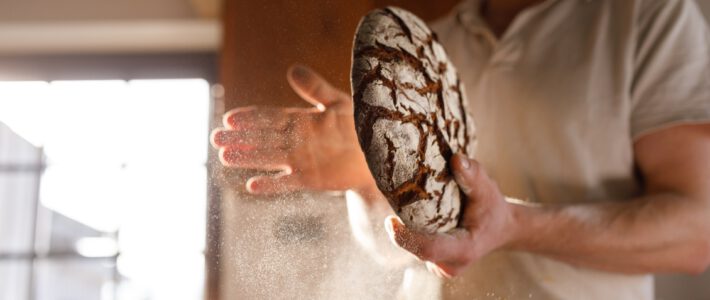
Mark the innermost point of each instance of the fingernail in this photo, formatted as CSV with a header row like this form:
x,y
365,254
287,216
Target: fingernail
x,y
225,155
252,186
214,138
460,174
397,222
218,137
464,161
389,227
299,72
231,120
445,274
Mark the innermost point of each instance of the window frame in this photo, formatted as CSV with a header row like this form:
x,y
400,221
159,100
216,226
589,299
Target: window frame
x,y
133,66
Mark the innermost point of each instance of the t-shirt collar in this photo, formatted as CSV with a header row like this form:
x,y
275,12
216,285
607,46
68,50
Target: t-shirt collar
x,y
468,13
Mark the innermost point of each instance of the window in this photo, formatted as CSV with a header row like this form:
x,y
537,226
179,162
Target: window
x,y
103,189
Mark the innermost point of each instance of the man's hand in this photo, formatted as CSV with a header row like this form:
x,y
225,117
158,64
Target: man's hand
x,y
667,229
314,148
487,225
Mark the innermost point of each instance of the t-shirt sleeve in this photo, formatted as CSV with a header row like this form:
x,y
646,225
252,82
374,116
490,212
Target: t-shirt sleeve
x,y
671,67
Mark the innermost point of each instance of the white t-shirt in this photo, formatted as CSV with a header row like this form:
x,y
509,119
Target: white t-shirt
x,y
558,102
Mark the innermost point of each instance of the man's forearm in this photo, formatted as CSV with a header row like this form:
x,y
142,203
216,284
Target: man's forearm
x,y
655,233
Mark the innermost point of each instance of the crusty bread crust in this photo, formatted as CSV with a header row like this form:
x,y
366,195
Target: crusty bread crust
x,y
410,117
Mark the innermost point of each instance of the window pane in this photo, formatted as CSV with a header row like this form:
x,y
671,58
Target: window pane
x,y
67,235
83,123
165,203
91,195
163,276
22,108
125,171
17,202
14,279
168,121
166,226
16,150
76,279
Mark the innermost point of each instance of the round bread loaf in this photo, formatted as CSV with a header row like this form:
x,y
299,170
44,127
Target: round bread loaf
x,y
410,117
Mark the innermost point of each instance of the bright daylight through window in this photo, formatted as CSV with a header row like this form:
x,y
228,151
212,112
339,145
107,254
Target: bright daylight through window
x,y
103,188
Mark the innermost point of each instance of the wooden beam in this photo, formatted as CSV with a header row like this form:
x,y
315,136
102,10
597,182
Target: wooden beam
x,y
209,9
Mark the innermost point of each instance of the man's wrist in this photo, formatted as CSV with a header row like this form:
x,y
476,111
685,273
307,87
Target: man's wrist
x,y
524,224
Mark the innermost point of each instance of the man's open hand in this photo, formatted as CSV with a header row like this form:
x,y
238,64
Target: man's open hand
x,y
315,148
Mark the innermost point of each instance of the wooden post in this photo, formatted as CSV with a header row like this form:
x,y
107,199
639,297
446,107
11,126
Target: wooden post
x,y
263,38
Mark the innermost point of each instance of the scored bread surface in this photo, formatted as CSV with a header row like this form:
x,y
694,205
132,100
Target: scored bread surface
x,y
410,117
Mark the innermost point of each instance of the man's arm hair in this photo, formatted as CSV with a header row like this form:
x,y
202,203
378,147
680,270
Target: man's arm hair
x,y
665,230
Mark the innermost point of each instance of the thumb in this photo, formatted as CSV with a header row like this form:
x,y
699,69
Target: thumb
x,y
313,88
469,175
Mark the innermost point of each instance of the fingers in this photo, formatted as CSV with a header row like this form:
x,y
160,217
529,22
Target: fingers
x,y
445,255
313,88
268,185
438,271
453,247
445,270
471,178
250,139
465,172
404,238
239,157
231,118
251,117
261,138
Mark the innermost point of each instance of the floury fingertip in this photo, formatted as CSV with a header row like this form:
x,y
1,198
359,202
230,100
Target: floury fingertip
x,y
389,226
463,160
